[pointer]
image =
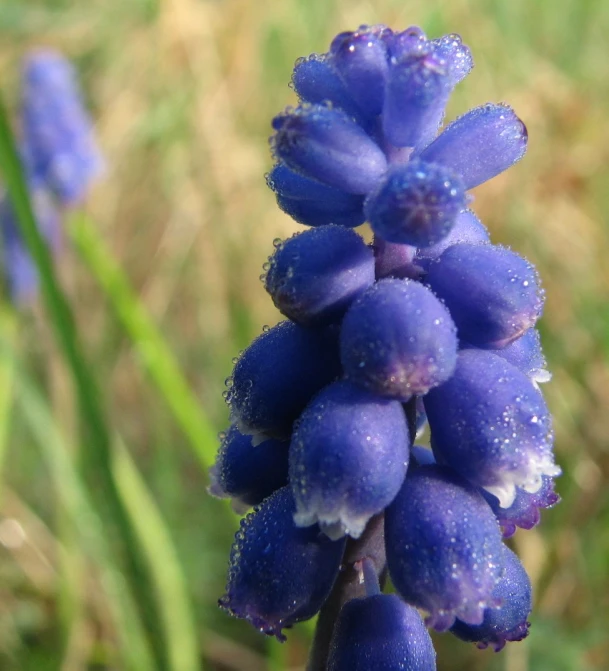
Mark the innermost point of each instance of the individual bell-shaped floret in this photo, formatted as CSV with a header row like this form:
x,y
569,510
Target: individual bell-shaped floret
x,y
508,622
418,88
59,146
467,228
279,574
525,511
392,259
315,276
316,80
416,204
276,376
383,633
492,293
526,354
398,340
444,549
360,58
314,204
480,144
348,458
325,144
248,474
491,424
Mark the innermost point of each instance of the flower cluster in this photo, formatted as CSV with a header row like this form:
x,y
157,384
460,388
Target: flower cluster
x,y
431,325
60,159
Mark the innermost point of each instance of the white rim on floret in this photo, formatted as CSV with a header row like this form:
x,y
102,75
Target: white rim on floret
x,y
528,478
334,524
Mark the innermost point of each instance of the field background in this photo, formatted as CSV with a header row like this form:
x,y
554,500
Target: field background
x,y
182,93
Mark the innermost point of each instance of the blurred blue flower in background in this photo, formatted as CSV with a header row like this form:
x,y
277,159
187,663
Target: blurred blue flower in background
x,y
60,158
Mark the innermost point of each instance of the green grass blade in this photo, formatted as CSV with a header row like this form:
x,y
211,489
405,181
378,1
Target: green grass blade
x,y
72,494
149,344
97,461
7,373
172,591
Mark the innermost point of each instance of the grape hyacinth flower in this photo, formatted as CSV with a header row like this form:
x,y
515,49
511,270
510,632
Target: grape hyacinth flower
x,y
430,327
59,145
60,159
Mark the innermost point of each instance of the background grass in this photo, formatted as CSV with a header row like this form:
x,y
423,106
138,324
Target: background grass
x,y
161,275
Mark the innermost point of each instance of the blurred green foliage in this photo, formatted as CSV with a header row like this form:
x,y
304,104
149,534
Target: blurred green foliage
x,y
159,277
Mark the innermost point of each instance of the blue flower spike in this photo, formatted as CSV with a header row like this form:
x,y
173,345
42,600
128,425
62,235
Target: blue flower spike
x,y
315,276
508,622
380,632
59,145
428,332
348,458
279,574
444,549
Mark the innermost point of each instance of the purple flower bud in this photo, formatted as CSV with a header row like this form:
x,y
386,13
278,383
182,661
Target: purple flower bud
x,y
246,473
508,622
456,55
315,80
312,203
394,260
416,204
525,510
492,293
279,574
398,340
58,141
480,144
418,88
383,633
315,276
323,143
491,424
467,228
360,58
444,549
277,375
348,458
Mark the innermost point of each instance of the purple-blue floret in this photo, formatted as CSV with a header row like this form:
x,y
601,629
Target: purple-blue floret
x,y
398,340
315,276
348,458
248,474
509,621
277,375
444,549
383,633
279,574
